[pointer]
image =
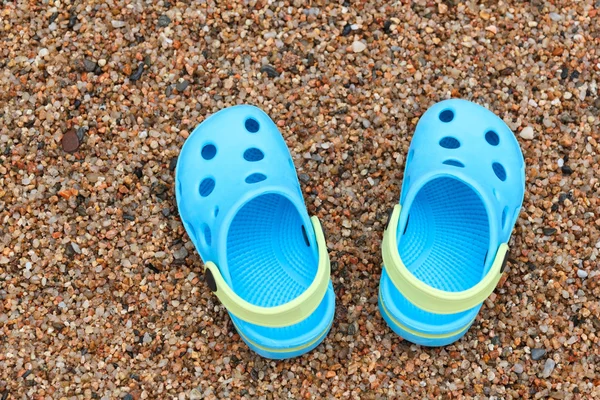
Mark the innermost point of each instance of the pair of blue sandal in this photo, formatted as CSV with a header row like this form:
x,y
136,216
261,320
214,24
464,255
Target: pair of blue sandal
x,y
444,248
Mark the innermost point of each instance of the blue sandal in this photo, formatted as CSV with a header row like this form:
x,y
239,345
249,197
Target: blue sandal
x,y
446,243
264,258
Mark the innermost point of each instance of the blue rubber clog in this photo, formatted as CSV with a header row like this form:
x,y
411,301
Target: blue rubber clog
x,y
446,243
241,205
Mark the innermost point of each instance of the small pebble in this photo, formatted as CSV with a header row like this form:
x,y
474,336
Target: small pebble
x,y
138,72
582,274
548,368
163,21
347,29
358,46
181,86
527,133
89,65
117,24
270,71
536,354
70,141
518,368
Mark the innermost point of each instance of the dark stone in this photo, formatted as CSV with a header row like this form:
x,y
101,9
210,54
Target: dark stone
x,y
70,141
173,164
4,395
128,397
152,268
310,59
59,326
26,374
72,20
270,71
562,197
304,177
128,217
574,75
496,340
163,21
81,132
386,26
77,103
549,231
137,74
536,354
89,65
53,17
138,172
166,212
181,86
351,329
139,38
566,170
69,251
346,30
554,207
169,90
507,71
564,73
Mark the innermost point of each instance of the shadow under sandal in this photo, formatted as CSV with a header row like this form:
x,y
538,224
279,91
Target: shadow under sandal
x,y
241,204
446,243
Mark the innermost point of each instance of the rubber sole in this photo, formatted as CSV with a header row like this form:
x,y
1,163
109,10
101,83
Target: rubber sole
x,y
420,338
280,354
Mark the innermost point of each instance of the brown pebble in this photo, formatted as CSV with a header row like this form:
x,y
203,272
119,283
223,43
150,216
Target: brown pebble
x,y
566,140
70,141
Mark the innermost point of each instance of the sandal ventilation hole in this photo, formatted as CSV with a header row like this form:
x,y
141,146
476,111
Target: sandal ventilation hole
x,y
406,226
209,151
499,171
492,138
446,115
207,186
216,211
252,125
253,154
255,178
207,235
504,220
449,143
454,163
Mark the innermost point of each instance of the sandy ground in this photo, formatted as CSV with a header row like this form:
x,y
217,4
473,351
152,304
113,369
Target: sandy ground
x,y
101,291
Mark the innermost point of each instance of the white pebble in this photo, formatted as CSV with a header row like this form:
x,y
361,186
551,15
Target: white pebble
x,y
358,46
567,95
117,24
582,274
102,62
555,17
548,368
518,368
43,52
527,133
561,162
